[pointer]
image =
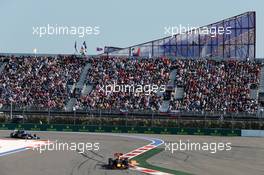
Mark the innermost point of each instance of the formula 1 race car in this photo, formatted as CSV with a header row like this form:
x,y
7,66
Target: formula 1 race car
x,y
118,162
21,134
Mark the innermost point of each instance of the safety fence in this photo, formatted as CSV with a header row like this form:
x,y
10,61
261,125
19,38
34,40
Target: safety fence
x,y
26,110
120,129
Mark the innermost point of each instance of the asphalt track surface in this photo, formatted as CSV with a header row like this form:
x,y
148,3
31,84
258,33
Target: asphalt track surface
x,y
246,156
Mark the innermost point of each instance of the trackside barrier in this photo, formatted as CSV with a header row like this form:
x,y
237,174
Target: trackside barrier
x,y
120,129
252,133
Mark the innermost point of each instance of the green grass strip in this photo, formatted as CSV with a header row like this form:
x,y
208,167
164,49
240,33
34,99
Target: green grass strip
x,y
142,160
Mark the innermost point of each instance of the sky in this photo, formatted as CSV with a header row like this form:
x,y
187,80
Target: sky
x,y
121,23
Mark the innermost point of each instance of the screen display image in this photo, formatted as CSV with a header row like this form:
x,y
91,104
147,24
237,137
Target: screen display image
x,y
131,87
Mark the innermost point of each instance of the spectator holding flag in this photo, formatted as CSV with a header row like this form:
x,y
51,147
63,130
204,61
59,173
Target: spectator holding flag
x,y
83,49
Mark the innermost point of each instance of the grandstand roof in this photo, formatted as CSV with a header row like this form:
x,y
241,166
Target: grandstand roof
x,y
240,43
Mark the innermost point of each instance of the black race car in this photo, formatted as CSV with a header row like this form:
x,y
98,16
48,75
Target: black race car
x,y
118,162
21,134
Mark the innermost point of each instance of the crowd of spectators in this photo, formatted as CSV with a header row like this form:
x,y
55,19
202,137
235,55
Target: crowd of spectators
x,y
208,85
213,85
124,71
40,81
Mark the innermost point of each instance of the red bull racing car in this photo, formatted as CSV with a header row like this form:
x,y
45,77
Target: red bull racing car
x,y
118,162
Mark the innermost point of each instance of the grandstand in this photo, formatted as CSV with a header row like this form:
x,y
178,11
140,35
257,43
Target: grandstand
x,y
197,85
222,75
